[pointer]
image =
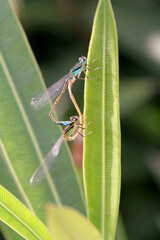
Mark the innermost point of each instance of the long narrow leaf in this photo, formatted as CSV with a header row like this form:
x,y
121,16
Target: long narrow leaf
x,y
102,147
26,136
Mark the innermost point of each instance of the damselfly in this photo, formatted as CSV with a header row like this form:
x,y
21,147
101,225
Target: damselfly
x,y
70,133
58,89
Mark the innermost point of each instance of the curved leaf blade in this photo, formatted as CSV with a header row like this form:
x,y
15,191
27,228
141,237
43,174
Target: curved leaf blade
x,y
26,135
19,218
102,147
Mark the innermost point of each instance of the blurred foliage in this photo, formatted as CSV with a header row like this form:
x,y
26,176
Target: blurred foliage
x,y
59,32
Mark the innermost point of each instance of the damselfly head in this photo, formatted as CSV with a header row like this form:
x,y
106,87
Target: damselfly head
x,y
74,119
83,60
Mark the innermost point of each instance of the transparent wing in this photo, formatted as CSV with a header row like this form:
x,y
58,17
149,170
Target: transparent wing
x,y
45,166
49,94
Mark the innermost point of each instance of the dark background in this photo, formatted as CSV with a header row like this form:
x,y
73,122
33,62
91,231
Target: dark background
x,y
59,33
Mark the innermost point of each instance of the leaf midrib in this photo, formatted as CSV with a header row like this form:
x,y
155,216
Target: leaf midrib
x,y
103,134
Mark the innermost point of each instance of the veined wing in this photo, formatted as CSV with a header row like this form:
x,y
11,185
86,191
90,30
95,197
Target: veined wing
x,y
45,166
49,94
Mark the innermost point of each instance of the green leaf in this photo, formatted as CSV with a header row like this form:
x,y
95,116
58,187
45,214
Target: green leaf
x,y
65,223
102,147
8,232
26,136
19,218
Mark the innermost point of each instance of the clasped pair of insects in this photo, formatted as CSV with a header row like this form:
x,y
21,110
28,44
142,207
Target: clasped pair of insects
x,y
75,125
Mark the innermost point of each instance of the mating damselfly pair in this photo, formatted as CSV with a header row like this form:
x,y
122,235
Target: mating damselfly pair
x,y
75,125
